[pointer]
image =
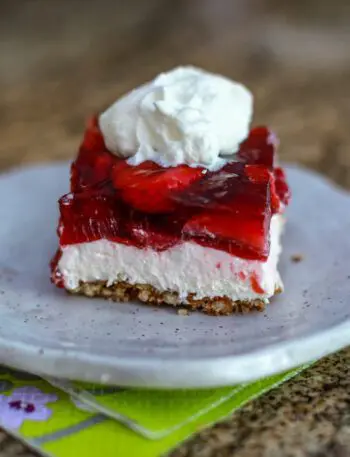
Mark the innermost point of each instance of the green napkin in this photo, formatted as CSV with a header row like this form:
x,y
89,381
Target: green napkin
x,y
152,413
58,424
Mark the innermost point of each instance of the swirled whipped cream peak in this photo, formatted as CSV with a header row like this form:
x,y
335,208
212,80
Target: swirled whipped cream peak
x,y
185,116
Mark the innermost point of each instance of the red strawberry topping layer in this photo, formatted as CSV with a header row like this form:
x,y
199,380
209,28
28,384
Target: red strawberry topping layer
x,y
149,187
155,207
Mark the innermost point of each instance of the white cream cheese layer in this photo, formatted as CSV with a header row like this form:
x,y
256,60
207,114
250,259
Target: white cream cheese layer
x,y
186,268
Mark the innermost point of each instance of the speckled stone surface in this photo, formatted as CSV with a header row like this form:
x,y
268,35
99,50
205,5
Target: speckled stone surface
x,y
61,61
308,416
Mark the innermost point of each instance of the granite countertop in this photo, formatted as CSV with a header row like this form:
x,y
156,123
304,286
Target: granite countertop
x,y
59,64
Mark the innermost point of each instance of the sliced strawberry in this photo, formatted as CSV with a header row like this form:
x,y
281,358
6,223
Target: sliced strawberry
x,y
97,169
94,162
148,187
259,148
275,199
244,229
95,214
214,190
93,139
88,216
282,188
259,174
147,233
246,238
229,190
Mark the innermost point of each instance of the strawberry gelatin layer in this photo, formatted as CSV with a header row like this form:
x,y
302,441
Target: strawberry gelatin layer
x,y
154,207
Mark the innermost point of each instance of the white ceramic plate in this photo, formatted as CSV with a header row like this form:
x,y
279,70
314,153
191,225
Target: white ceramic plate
x,y
46,331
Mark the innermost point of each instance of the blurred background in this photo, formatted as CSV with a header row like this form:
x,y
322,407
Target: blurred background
x,y
62,60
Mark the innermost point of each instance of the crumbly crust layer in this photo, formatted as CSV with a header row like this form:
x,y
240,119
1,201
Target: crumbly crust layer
x,y
123,292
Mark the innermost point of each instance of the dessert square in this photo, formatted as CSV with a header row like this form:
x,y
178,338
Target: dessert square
x,y
162,212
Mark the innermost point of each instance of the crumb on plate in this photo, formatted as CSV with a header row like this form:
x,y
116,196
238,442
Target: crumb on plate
x,y
296,258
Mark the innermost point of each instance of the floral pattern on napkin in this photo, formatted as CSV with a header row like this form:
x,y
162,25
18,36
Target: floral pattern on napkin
x,y
24,403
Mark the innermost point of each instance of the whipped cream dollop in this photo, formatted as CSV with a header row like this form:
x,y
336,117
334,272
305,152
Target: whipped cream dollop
x,y
185,116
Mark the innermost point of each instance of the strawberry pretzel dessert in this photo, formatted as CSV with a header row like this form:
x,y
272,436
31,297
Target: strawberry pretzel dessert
x,y
174,200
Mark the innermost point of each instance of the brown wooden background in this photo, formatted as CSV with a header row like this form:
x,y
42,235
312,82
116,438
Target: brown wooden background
x,y
62,60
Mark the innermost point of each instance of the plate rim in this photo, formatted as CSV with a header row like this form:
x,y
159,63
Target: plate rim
x,y
156,373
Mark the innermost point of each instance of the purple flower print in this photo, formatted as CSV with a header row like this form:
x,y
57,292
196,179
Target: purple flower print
x,y
24,403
